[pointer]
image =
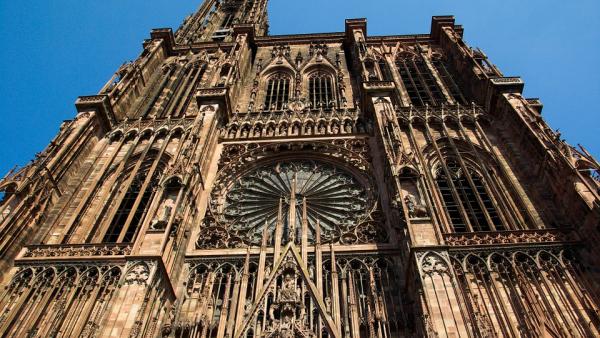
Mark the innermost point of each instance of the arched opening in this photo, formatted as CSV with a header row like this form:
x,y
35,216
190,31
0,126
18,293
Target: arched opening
x,y
466,199
384,69
277,91
134,204
419,82
320,90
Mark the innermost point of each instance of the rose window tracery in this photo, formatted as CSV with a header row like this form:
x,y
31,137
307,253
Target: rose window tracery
x,y
292,193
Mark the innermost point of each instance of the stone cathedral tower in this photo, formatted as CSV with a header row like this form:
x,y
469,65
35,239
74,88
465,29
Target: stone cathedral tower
x,y
229,183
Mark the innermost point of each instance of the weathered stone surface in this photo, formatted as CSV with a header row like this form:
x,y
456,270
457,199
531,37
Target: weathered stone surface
x,y
229,183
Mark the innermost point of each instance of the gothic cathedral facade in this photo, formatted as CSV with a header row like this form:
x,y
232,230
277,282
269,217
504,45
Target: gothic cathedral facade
x,y
231,183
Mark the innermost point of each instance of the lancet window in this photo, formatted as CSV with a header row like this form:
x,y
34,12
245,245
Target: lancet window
x,y
466,199
419,81
386,74
320,87
446,77
277,91
133,207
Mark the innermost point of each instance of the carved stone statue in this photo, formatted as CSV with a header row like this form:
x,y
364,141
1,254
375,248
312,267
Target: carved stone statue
x,y
288,290
415,209
163,215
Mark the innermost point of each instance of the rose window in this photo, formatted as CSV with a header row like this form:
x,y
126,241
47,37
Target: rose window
x,y
292,193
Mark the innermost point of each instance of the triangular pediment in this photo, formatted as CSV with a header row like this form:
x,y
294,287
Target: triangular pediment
x,y
289,266
280,63
319,61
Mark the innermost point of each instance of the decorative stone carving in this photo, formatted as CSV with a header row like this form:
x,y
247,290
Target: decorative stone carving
x,y
512,237
78,250
333,199
433,263
302,119
138,274
415,209
163,215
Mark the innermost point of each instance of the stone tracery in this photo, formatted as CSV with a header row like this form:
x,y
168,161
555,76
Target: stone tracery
x,y
317,156
292,194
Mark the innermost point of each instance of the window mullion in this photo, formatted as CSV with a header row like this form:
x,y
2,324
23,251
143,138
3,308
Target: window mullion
x,y
146,185
127,185
314,92
278,94
326,91
456,92
471,184
423,81
409,74
453,189
320,92
466,202
285,92
269,99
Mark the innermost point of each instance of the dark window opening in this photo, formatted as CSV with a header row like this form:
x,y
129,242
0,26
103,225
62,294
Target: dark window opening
x,y
448,80
127,204
320,90
419,82
430,82
450,205
474,199
386,74
471,205
278,91
487,202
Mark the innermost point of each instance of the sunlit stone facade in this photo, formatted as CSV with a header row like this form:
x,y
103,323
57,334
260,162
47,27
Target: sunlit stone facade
x,y
231,183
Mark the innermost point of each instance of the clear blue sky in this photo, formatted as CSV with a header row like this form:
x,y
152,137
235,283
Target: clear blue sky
x,y
55,50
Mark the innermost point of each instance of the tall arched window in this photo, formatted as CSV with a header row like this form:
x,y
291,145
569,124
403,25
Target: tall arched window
x,y
129,216
386,74
278,91
466,200
419,82
320,89
446,77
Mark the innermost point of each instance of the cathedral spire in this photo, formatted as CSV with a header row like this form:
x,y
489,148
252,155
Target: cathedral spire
x,y
215,20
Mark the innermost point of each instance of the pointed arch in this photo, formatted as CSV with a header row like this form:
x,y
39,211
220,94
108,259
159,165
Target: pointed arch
x,y
418,80
465,198
136,199
321,88
277,91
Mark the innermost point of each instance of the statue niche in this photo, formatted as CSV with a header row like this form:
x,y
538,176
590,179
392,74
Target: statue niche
x,y
410,194
166,206
287,314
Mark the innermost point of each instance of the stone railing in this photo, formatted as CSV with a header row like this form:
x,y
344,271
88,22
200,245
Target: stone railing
x,y
308,122
515,237
426,113
290,115
507,80
379,86
509,84
76,250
